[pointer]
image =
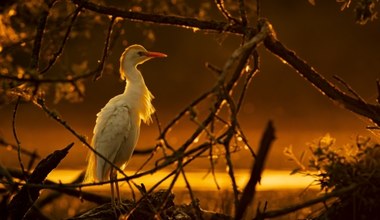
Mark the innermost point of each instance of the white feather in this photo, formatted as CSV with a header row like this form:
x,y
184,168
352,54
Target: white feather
x,y
117,126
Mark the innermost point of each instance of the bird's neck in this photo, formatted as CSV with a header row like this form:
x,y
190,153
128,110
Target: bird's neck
x,y
138,95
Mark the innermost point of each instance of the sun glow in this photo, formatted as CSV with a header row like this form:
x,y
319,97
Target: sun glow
x,y
271,180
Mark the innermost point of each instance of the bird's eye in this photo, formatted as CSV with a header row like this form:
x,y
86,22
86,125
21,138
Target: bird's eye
x,y
140,53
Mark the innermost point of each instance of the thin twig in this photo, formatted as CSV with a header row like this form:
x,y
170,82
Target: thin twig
x,y
183,22
258,9
284,211
225,13
183,112
211,159
55,56
16,137
14,147
105,49
252,73
38,39
194,202
243,13
349,88
378,91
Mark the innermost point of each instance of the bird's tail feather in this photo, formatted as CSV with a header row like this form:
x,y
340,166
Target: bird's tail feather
x,y
90,171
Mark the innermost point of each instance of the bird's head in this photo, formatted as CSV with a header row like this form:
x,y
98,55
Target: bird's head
x,y
135,55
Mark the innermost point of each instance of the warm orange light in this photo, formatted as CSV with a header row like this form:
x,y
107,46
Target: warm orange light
x,y
271,180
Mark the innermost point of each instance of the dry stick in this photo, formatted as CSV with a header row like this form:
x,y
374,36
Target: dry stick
x,y
378,91
211,159
197,151
202,148
171,186
183,22
243,53
63,43
99,199
243,13
258,9
252,73
194,202
14,147
176,172
284,211
324,86
38,39
183,112
16,138
349,88
105,49
25,198
250,189
71,79
213,167
223,10
49,80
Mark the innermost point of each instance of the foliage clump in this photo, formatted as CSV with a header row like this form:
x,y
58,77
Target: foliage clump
x,y
351,171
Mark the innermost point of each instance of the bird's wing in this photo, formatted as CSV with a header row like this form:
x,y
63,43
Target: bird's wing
x,y
112,128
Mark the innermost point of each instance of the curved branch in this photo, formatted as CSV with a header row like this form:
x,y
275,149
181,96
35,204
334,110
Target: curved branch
x,y
55,56
319,82
184,22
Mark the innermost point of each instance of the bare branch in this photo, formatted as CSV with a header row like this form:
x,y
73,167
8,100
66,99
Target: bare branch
x,y
25,198
252,73
225,13
40,32
14,147
16,137
250,189
105,50
183,22
243,13
370,111
378,91
63,43
349,88
281,212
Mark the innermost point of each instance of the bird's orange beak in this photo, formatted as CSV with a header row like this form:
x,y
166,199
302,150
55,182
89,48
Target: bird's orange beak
x,y
155,54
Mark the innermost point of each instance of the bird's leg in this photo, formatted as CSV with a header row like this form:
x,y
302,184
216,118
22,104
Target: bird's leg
x,y
117,191
117,203
113,192
119,200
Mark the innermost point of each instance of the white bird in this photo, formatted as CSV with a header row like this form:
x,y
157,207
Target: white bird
x,y
118,123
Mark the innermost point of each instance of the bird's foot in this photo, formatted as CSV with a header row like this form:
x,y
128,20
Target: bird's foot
x,y
120,209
